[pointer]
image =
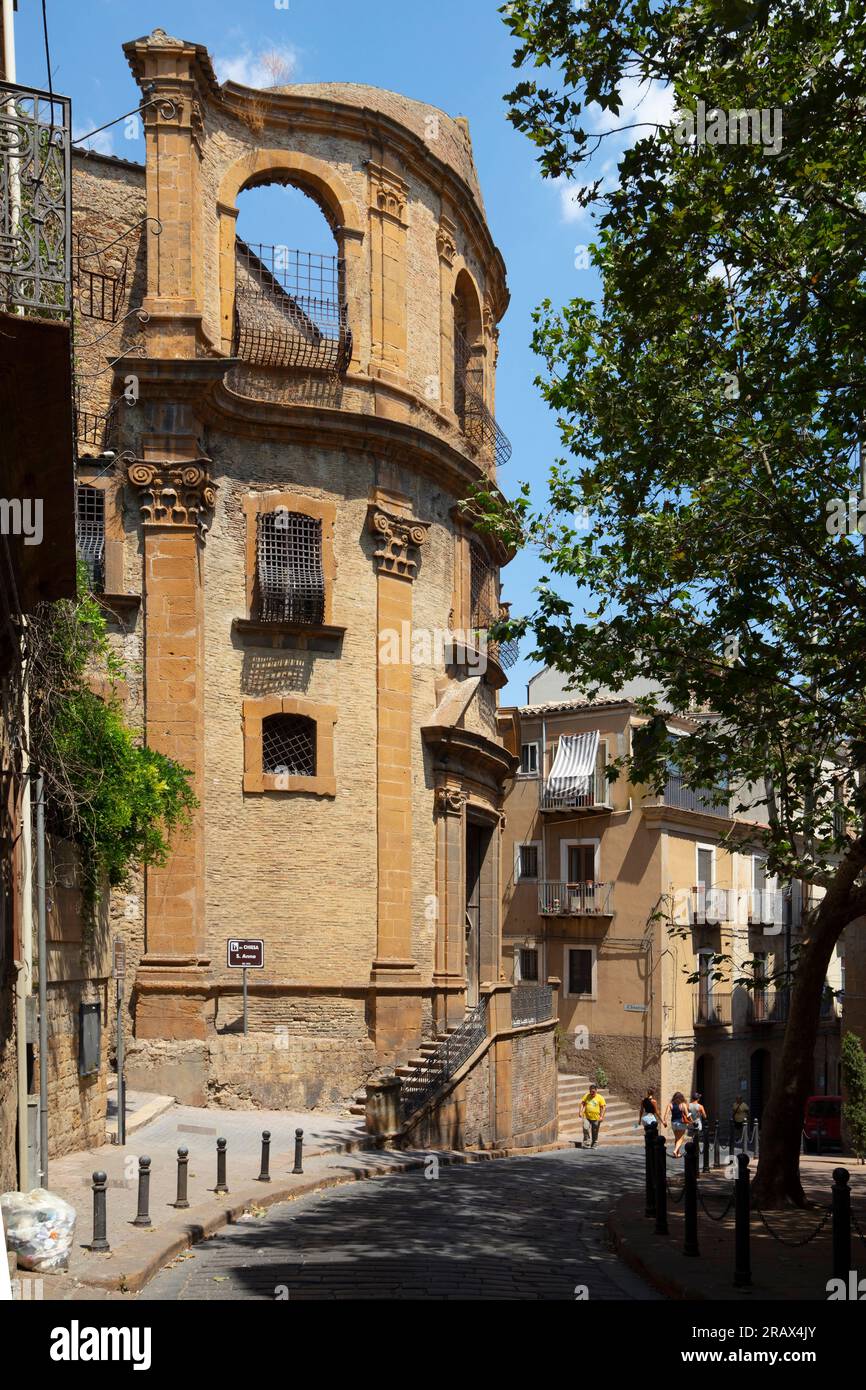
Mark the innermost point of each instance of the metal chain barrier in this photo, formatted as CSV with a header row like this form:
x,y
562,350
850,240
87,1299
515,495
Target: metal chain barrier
x,y
795,1244
728,1205
676,1194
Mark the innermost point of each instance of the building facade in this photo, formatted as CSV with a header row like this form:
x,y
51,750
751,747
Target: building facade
x,y
650,908
273,465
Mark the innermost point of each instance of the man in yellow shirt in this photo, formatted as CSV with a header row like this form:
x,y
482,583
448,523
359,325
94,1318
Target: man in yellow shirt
x,y
592,1109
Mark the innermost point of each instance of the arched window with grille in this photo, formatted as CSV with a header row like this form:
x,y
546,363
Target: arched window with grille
x,y
289,745
289,572
90,533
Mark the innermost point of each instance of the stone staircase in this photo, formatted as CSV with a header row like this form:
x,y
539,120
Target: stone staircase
x,y
619,1118
425,1052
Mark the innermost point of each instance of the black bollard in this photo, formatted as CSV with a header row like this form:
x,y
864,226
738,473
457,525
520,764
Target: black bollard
x,y
717,1149
649,1169
731,1142
299,1151
818,1140
142,1216
690,1198
706,1139
182,1171
99,1242
841,1225
221,1184
756,1148
264,1175
742,1232
661,1187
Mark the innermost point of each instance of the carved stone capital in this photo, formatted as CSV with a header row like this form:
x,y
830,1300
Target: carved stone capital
x,y
388,193
446,240
399,539
174,494
450,801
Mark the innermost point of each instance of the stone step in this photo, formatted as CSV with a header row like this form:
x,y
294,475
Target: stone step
x,y
357,1109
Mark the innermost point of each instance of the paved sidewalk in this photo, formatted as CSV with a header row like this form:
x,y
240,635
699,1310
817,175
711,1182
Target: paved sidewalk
x,y
783,1267
135,1251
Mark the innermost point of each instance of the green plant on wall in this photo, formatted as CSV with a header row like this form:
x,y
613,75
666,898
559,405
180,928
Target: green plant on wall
x,y
601,1077
854,1081
117,799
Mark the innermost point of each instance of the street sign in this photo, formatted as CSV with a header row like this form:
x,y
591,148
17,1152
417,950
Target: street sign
x,y
119,958
246,954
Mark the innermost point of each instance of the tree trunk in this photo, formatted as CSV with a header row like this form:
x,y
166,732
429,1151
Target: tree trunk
x,y
777,1181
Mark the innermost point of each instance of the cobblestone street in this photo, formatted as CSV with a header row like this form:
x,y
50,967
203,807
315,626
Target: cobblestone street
x,y
514,1228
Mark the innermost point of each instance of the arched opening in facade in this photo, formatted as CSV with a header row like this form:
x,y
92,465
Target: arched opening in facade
x,y
759,1081
290,307
468,354
706,1085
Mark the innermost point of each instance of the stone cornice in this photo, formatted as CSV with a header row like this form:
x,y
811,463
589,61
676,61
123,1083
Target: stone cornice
x,y
467,749
173,494
399,538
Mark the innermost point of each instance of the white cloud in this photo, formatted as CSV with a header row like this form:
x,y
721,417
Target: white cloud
x,y
268,68
102,143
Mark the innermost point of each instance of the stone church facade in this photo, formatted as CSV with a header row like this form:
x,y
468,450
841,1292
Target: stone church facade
x,y
301,601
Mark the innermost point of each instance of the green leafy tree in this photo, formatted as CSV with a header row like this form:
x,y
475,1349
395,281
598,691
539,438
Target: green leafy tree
x,y
709,405
854,1083
117,799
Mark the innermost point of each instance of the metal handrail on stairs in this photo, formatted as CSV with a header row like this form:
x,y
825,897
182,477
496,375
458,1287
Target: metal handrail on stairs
x,y
442,1064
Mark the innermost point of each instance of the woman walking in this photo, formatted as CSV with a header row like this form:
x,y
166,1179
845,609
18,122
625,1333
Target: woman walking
x,y
648,1115
678,1113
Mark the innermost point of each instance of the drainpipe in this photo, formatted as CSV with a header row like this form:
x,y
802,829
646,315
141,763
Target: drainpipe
x,y
9,74
24,966
42,949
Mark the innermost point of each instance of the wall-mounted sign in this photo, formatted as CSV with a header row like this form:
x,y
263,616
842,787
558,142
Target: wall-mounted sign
x,y
635,1008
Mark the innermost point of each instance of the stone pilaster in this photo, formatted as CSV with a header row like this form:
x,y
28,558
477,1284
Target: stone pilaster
x,y
175,499
396,1015
450,967
388,227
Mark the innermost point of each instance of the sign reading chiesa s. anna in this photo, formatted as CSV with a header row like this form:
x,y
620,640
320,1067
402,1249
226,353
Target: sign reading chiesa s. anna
x,y
250,955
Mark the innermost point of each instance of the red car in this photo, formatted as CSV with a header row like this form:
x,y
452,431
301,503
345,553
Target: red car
x,y
824,1113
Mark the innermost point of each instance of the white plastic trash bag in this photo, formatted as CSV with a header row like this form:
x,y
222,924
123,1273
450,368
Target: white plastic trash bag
x,y
39,1228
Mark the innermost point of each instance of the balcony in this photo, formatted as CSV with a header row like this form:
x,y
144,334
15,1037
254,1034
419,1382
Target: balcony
x,y
476,420
768,1006
35,203
711,801
766,907
591,792
709,906
558,899
711,1010
290,310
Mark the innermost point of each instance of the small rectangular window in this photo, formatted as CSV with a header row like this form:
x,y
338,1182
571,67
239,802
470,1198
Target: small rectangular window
x,y
90,533
529,760
529,963
89,1038
705,868
529,861
579,971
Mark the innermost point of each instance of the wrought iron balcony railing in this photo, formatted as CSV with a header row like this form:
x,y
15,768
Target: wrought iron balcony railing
x,y
35,202
290,309
591,792
766,907
709,906
531,1003
558,899
711,1010
711,801
451,1053
769,1005
476,419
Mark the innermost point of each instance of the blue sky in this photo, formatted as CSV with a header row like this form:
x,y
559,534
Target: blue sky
x,y
455,54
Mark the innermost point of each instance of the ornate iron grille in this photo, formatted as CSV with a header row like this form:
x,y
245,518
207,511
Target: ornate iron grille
x,y
451,1053
477,421
289,745
291,581
90,533
100,285
485,609
35,203
290,309
531,1004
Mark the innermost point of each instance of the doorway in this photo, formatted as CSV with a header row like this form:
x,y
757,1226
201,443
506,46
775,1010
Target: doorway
x,y
478,905
705,1084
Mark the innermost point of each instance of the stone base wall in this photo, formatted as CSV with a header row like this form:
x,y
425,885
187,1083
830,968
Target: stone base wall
x,y
630,1064
268,1071
76,1104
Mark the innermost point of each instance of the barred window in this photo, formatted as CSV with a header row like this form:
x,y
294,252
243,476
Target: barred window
x,y
529,861
291,580
529,963
482,588
289,745
90,533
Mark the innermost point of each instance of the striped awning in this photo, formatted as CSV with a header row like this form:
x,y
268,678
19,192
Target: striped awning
x,y
574,764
